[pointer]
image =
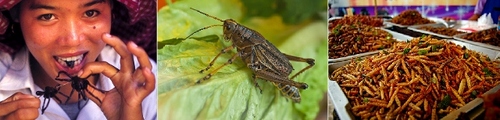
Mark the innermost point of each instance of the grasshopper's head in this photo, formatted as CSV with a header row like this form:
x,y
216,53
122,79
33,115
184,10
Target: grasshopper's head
x,y
229,28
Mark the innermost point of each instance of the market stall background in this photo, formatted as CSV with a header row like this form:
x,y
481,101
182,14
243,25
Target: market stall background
x,y
460,10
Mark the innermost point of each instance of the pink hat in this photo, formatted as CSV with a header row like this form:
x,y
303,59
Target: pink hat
x,y
133,20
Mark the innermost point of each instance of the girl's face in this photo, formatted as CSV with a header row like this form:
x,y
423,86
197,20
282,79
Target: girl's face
x,y
59,33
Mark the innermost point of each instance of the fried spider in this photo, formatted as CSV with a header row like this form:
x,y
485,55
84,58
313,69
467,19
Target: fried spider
x,y
79,85
50,92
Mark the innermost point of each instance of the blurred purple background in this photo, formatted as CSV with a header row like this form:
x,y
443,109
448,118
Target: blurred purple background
x,y
457,12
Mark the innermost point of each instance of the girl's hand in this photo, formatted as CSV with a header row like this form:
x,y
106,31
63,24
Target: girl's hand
x,y
131,85
19,107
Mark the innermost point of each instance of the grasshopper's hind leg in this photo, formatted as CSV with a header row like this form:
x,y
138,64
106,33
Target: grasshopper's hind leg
x,y
215,71
299,59
269,76
213,60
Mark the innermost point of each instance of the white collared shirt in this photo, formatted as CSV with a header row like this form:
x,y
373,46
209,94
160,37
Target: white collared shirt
x,y
15,76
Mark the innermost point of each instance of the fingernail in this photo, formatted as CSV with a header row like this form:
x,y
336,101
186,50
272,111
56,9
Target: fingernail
x,y
147,69
133,44
80,73
107,35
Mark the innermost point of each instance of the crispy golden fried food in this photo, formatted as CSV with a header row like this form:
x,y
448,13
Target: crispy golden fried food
x,y
357,19
350,39
442,30
490,36
410,17
424,78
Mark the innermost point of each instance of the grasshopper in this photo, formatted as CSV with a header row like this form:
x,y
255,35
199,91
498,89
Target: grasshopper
x,y
262,57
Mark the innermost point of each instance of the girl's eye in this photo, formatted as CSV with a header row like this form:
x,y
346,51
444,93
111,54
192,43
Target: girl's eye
x,y
46,17
91,13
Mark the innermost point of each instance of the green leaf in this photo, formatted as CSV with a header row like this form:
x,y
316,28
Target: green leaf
x,y
445,102
359,59
434,48
487,72
292,11
262,8
385,52
406,50
474,94
175,41
423,36
230,93
466,56
365,100
297,11
422,52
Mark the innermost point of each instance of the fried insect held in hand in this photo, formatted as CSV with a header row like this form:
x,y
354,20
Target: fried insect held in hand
x,y
79,85
262,57
50,92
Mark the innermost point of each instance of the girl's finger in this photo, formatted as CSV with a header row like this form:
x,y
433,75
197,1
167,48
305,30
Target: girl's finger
x,y
23,114
100,67
142,56
18,101
95,95
126,59
150,80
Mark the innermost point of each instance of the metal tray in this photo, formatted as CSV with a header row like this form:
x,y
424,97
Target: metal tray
x,y
473,109
459,37
460,25
395,35
468,26
339,100
416,28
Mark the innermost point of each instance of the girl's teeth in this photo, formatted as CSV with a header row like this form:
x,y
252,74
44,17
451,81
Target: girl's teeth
x,y
70,61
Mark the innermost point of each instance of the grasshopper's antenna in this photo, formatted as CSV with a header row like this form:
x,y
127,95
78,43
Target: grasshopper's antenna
x,y
207,14
201,30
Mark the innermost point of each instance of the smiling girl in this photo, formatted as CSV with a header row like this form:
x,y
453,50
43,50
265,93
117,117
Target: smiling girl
x,y
74,36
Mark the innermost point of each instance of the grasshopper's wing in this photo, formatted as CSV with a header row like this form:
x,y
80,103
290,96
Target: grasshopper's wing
x,y
268,56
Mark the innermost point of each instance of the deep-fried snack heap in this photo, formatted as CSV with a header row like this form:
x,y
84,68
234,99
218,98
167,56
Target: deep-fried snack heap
x,y
410,17
424,78
357,19
490,36
350,39
442,30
